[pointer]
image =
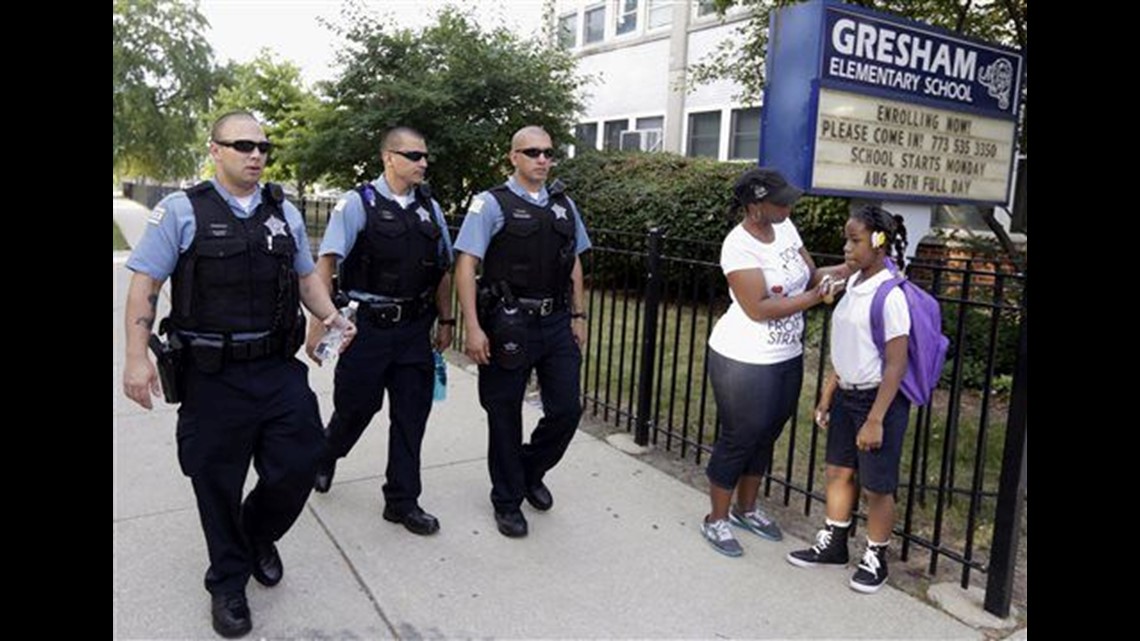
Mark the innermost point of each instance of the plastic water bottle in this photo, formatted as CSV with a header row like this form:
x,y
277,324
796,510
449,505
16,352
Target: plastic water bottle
x,y
328,349
440,391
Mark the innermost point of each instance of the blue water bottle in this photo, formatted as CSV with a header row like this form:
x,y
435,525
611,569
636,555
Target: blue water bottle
x,y
440,391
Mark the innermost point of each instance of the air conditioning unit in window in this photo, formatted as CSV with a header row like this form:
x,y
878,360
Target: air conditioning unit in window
x,y
641,140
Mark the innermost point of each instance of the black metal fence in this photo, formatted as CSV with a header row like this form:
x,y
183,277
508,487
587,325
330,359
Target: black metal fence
x,y
653,301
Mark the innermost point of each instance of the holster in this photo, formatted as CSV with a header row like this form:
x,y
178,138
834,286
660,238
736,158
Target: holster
x,y
508,337
505,324
168,356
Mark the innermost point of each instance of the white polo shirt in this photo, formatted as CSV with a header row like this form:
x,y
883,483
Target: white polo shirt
x,y
853,353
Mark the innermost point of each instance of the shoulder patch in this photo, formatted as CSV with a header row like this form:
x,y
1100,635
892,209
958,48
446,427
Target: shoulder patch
x,y
340,205
476,205
156,215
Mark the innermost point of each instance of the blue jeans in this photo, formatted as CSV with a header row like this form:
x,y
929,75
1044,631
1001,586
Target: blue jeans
x,y
753,402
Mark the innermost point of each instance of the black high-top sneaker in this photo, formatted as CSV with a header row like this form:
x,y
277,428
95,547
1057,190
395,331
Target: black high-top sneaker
x,y
872,571
830,548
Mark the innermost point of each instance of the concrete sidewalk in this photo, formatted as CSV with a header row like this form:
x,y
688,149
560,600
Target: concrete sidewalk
x,y
618,556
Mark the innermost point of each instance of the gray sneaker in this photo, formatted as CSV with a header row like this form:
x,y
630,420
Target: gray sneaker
x,y
756,521
719,535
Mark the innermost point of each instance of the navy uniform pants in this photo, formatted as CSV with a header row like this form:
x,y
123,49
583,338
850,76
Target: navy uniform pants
x,y
397,360
263,411
554,355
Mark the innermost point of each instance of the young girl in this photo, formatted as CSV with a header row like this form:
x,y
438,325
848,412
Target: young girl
x,y
861,407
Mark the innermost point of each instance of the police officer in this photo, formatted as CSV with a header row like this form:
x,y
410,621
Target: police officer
x,y
394,252
240,263
526,312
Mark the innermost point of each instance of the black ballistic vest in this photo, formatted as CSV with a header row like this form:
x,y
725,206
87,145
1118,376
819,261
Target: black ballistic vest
x,y
534,251
237,275
397,253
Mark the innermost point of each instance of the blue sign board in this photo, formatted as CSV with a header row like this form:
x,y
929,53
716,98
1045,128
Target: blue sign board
x,y
861,103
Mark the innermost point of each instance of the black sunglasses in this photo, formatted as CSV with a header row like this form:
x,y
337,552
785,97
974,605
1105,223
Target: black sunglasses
x,y
246,146
414,156
535,152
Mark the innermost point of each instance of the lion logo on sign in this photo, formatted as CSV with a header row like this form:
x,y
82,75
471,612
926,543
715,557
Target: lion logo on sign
x,y
997,78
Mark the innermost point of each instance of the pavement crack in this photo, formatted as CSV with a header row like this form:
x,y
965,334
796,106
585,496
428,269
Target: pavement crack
x,y
356,574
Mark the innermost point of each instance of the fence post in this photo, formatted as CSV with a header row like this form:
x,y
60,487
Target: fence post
x,y
1011,487
649,338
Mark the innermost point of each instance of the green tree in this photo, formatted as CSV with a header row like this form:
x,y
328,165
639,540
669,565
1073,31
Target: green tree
x,y
741,59
162,80
466,89
272,90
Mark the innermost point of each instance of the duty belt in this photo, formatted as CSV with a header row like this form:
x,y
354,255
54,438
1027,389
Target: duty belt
x,y
387,313
542,306
236,351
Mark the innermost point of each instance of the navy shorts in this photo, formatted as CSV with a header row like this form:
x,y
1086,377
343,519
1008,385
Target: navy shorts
x,y
878,469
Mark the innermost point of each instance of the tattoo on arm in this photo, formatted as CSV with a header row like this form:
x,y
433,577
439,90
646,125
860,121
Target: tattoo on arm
x,y
148,321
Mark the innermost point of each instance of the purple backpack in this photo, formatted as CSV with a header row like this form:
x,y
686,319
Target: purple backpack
x,y
926,346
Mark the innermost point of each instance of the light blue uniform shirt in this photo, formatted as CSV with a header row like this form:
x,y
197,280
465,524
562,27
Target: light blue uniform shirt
x,y
171,227
485,219
349,217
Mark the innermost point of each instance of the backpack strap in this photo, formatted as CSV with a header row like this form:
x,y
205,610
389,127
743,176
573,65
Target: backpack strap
x,y
878,330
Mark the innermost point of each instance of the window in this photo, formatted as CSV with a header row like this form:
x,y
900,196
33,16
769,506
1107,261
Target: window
x,y
586,137
706,8
595,24
745,142
656,122
626,19
704,134
568,31
660,13
612,133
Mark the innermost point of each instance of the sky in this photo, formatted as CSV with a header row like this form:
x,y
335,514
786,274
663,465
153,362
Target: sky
x,y
239,29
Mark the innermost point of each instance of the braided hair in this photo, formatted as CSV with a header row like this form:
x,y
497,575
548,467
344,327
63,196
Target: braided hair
x,y
877,219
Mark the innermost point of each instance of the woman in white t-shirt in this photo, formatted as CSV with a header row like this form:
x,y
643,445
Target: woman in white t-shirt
x,y
861,408
756,350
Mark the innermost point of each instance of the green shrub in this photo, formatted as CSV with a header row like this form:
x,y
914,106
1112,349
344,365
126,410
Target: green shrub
x,y
974,348
686,197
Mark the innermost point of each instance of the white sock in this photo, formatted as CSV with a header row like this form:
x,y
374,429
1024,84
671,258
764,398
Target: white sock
x,y
871,543
842,524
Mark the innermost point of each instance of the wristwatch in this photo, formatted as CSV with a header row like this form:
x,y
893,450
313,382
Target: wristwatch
x,y
447,322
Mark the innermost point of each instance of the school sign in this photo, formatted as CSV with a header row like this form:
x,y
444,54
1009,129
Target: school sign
x,y
864,104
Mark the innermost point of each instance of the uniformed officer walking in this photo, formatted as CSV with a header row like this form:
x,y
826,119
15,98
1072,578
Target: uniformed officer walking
x,y
394,253
240,263
525,313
